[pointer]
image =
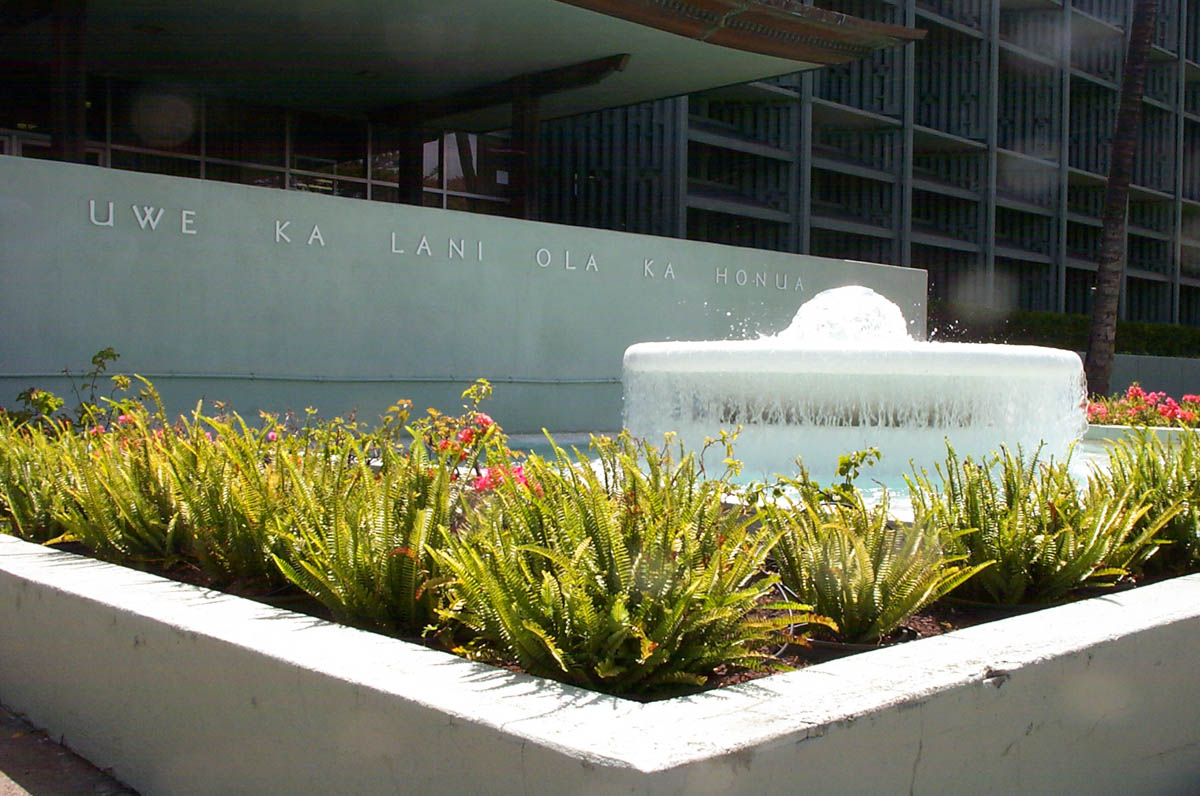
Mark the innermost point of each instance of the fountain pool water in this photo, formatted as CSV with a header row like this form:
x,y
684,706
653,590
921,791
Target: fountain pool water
x,y
845,376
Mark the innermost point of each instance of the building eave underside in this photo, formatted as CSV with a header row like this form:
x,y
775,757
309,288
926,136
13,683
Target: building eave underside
x,y
373,55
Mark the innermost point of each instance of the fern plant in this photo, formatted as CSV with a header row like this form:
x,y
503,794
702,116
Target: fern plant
x,y
229,490
357,528
33,478
1165,476
122,500
624,574
1045,536
853,564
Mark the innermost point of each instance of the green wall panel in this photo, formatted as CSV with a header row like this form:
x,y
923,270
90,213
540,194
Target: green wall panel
x,y
279,299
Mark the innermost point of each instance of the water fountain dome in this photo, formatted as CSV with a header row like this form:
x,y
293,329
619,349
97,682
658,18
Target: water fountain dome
x,y
844,376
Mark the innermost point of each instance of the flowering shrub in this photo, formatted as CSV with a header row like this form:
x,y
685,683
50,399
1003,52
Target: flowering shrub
x,y
626,573
495,475
44,408
630,572
463,439
1166,477
1136,407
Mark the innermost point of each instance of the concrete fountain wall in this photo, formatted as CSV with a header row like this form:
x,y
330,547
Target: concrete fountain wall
x,y
182,690
846,375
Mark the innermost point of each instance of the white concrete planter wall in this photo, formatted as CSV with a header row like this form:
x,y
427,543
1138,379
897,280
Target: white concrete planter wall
x,y
1164,433
184,690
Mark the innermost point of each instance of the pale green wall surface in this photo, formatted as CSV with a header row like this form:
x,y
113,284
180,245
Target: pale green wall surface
x,y
354,311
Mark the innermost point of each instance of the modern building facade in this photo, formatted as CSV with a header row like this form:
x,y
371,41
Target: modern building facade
x,y
978,154
163,233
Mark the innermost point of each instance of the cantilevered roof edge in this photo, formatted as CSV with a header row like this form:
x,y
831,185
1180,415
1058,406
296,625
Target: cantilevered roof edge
x,y
781,28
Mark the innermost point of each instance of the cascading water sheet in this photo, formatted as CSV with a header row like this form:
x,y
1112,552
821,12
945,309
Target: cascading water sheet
x,y
846,376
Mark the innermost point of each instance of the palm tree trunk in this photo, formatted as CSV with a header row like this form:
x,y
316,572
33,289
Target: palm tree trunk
x,y
1110,266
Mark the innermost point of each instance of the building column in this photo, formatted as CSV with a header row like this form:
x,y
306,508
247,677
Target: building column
x,y
410,164
526,128
69,137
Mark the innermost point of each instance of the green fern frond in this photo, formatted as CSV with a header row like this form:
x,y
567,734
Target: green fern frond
x,y
626,564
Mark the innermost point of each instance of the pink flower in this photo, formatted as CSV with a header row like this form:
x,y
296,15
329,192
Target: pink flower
x,y
1097,411
483,421
1191,399
1170,410
494,476
486,482
1135,392
466,436
94,430
123,419
208,435
272,436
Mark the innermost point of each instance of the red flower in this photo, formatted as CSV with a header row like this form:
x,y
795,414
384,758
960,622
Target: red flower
x,y
466,436
486,482
483,421
518,475
494,476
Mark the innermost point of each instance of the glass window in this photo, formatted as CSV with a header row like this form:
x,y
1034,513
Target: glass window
x,y
493,165
154,164
329,186
385,166
328,145
305,182
384,193
486,206
351,188
245,175
478,164
155,117
39,149
26,101
97,103
246,133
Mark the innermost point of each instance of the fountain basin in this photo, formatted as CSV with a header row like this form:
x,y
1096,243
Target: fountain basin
x,y
821,400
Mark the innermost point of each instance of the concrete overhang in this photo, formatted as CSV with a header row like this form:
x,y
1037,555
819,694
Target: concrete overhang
x,y
364,56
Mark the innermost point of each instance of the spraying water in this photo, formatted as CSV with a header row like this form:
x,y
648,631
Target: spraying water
x,y
844,376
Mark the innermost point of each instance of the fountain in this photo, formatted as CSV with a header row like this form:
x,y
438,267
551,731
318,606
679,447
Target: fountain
x,y
845,376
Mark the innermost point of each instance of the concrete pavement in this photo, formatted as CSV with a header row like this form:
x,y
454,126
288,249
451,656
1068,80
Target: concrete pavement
x,y
32,764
